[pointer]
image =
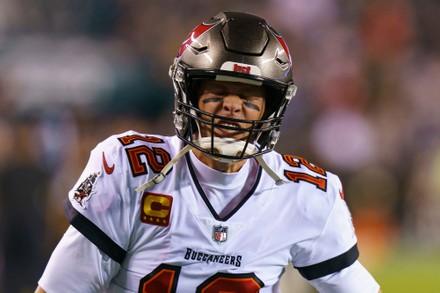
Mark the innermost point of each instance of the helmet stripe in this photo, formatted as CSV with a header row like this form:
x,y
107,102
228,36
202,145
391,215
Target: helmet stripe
x,y
200,29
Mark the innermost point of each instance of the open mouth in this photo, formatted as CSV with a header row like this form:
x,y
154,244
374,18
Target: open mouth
x,y
229,129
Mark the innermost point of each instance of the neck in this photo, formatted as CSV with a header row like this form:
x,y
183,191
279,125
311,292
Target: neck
x,y
224,167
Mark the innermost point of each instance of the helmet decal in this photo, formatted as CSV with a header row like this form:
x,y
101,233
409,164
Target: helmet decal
x,y
281,41
241,68
284,45
199,30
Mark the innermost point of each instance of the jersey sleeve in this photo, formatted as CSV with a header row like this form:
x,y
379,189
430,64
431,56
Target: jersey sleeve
x,y
354,278
102,204
335,248
100,208
77,265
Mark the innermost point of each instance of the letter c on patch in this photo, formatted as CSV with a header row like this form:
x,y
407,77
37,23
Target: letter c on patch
x,y
156,209
157,206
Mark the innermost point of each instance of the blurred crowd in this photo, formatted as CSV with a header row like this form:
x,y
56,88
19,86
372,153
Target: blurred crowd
x,y
367,108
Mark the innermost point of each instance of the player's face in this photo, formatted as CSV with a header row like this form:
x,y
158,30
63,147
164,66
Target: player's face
x,y
230,100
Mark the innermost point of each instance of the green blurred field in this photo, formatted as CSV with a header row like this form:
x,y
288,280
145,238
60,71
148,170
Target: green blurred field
x,y
410,271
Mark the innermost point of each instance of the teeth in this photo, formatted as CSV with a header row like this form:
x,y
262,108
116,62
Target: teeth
x,y
229,125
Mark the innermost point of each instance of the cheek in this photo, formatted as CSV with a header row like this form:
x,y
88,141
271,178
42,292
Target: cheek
x,y
253,115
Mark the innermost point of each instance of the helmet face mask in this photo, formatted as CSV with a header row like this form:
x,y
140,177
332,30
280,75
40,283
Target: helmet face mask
x,y
232,47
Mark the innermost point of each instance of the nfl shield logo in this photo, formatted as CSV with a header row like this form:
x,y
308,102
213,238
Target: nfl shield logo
x,y
220,233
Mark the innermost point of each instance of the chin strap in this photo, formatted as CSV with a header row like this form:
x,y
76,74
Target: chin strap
x,y
161,176
275,177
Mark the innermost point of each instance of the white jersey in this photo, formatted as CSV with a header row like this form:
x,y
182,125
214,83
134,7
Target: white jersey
x,y
170,238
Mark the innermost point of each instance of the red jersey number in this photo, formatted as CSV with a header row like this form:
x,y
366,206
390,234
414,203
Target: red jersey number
x,y
165,277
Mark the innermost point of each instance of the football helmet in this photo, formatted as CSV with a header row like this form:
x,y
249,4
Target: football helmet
x,y
234,47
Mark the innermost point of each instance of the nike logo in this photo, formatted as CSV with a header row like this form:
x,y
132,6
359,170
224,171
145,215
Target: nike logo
x,y
109,170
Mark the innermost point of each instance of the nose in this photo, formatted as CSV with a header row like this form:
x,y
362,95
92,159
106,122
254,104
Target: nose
x,y
232,104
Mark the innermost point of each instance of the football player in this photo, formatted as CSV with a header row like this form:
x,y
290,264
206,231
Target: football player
x,y
213,208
